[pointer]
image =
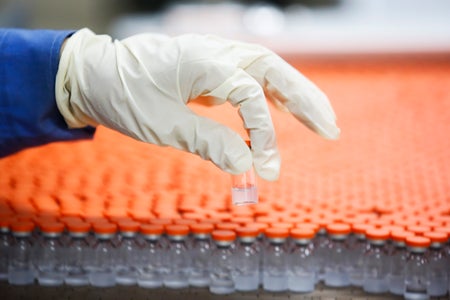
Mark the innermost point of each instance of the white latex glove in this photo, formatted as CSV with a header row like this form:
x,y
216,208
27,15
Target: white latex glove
x,y
140,87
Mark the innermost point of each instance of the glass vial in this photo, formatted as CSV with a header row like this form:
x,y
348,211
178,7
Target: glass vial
x,y
20,266
246,260
201,252
221,266
151,257
5,245
376,267
50,261
78,252
275,260
397,259
437,272
128,251
301,270
337,265
178,260
101,273
416,268
244,188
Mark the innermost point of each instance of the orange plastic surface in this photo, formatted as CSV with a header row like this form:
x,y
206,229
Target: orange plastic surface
x,y
392,158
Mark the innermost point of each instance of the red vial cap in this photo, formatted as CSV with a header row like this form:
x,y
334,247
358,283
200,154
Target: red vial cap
x,y
224,235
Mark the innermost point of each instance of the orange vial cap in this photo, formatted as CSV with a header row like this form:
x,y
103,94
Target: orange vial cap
x,y
338,228
104,228
177,229
155,229
418,241
400,235
361,228
377,234
201,228
417,229
224,235
261,227
22,226
78,227
52,227
227,226
247,232
436,236
128,226
302,233
276,233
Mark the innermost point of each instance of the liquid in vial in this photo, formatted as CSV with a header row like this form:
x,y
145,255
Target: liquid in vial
x,y
244,190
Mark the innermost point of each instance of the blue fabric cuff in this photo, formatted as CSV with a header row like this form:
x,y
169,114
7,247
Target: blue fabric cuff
x,y
28,112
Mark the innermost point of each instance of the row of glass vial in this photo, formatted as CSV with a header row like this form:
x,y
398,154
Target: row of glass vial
x,y
242,259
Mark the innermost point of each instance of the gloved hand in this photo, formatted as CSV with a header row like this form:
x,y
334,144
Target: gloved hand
x,y
140,87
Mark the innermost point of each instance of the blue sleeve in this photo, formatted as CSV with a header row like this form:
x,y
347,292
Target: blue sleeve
x,y
28,112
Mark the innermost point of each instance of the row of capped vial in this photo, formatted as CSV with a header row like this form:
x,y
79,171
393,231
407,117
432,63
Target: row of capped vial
x,y
226,257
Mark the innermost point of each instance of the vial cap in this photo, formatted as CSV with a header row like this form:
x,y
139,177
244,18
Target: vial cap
x,y
194,216
51,227
274,233
261,227
247,232
223,235
156,229
377,234
184,222
201,228
417,229
227,226
302,233
177,229
128,226
161,221
338,228
22,226
418,241
69,219
78,227
400,235
104,228
445,229
242,221
282,225
436,236
267,219
5,222
306,225
361,228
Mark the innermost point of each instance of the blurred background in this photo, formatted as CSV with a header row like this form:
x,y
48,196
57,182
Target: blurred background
x,y
286,26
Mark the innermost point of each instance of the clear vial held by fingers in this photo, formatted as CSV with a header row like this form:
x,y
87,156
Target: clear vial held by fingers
x,y
244,189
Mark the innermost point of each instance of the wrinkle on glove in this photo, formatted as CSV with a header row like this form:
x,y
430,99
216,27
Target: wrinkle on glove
x,y
140,86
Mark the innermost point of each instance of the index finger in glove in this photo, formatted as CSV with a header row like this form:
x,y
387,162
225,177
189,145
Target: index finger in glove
x,y
244,91
297,93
